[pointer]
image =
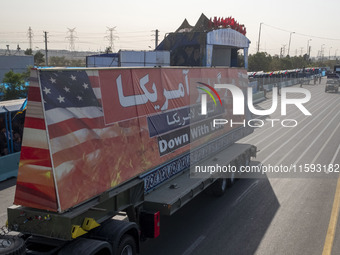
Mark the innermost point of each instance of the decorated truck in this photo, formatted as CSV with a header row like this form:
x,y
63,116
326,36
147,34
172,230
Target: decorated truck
x,y
100,143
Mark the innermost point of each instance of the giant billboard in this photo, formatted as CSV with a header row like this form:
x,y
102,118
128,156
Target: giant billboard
x,y
90,130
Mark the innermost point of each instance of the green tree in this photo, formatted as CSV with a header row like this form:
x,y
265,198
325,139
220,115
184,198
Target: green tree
x,y
14,86
286,63
77,62
28,52
58,61
62,61
39,58
108,50
259,62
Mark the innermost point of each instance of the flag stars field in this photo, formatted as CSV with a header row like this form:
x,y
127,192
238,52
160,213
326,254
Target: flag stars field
x,y
61,99
47,91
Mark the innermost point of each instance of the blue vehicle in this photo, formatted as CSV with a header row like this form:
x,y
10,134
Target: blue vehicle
x,y
12,115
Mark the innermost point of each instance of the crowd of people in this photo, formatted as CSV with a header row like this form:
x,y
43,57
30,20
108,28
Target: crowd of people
x,y
10,140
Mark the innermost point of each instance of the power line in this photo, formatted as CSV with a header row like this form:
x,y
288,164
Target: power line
x,y
313,36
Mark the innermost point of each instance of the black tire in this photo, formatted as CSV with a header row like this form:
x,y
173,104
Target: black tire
x,y
245,163
127,246
247,160
86,246
219,187
12,245
231,180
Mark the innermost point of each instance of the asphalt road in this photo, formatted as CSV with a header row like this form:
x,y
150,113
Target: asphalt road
x,y
288,213
274,214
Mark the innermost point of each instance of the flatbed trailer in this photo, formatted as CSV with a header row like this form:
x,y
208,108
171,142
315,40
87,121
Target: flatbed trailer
x,y
178,191
91,228
49,214
105,143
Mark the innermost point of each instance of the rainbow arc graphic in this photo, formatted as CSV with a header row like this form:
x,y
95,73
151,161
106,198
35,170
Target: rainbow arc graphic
x,y
209,93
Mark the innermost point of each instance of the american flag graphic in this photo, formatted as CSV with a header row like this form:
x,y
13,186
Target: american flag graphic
x,y
68,120
39,191
73,115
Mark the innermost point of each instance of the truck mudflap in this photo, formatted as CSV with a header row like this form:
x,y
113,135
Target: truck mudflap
x,y
175,193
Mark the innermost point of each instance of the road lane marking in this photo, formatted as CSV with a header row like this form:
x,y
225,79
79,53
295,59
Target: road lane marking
x,y
326,143
292,116
245,193
292,137
315,139
327,249
194,245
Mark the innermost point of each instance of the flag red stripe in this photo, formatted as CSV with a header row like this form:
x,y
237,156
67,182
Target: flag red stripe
x,y
71,125
34,94
37,123
94,81
28,195
36,156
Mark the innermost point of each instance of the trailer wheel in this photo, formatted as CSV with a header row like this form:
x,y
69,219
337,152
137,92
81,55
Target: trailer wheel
x,y
247,160
219,187
12,245
86,246
127,246
231,180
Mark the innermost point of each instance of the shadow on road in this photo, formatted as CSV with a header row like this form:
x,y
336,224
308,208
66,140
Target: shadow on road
x,y
232,224
8,183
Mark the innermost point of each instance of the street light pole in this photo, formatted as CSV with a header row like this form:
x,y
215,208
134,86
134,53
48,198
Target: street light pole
x,y
308,47
290,38
329,53
321,52
258,45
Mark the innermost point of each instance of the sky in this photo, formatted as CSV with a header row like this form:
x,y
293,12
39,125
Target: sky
x,y
307,23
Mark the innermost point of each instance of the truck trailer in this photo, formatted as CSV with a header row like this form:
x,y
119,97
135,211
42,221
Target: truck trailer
x,y
107,151
101,142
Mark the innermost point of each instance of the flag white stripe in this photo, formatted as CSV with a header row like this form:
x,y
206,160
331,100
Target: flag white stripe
x,y
34,110
80,136
57,115
36,138
67,166
29,167
98,93
92,73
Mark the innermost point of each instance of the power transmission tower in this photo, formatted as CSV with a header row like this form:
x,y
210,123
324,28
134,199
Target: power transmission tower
x,y
18,49
30,37
111,37
283,50
71,38
7,52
